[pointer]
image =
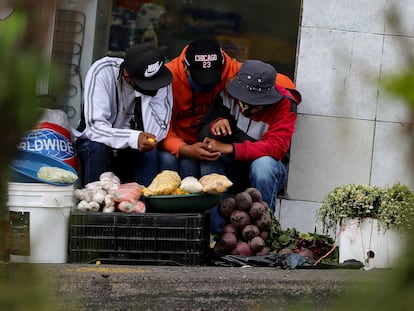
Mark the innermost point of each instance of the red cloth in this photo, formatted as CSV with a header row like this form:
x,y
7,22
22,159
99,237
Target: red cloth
x,y
280,119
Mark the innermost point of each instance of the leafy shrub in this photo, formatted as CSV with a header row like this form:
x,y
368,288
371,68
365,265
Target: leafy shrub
x,y
392,206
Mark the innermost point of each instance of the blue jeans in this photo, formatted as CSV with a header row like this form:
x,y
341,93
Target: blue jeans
x,y
184,166
269,176
128,164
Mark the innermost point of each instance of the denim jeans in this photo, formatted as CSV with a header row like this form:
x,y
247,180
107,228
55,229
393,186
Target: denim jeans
x,y
128,164
269,176
184,166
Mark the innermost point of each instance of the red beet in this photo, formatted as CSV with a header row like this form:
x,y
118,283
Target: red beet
x,y
265,251
227,207
264,235
239,219
242,249
265,204
255,194
264,222
257,244
249,232
229,228
243,201
257,209
228,241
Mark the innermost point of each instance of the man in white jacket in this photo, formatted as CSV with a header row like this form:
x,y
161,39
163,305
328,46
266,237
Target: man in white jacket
x,y
126,113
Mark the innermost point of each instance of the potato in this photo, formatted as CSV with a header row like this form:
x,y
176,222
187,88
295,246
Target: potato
x,y
164,183
215,183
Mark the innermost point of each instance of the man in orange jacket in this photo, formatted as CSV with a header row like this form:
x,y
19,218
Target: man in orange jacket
x,y
200,73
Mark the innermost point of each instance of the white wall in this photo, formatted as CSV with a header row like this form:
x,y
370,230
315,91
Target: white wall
x,y
348,129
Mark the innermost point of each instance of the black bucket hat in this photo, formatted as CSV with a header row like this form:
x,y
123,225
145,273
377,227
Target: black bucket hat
x,y
255,84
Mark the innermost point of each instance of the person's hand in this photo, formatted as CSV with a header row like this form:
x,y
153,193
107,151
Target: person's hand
x,y
199,151
217,146
221,128
147,142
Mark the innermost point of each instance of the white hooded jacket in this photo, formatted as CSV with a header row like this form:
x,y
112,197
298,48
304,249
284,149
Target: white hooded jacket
x,y
109,107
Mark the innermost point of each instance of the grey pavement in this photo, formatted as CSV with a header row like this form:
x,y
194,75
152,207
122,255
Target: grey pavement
x,y
139,287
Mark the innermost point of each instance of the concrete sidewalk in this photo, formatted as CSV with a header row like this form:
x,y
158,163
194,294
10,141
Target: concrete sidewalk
x,y
137,287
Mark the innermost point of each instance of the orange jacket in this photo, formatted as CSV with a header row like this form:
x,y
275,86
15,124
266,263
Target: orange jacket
x,y
189,106
288,84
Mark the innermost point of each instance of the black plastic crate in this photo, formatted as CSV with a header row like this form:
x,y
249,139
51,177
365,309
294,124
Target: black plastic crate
x,y
150,238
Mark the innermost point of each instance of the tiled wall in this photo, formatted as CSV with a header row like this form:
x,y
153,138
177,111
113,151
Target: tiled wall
x,y
348,129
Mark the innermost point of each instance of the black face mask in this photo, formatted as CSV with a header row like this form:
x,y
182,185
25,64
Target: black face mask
x,y
145,92
201,88
247,113
248,110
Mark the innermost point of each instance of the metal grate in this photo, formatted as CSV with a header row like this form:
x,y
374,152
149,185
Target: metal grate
x,y
67,52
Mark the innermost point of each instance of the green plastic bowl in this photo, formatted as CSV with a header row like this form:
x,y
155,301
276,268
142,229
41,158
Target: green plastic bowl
x,y
182,203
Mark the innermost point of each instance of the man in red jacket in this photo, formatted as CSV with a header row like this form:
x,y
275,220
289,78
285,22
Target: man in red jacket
x,y
251,124
200,73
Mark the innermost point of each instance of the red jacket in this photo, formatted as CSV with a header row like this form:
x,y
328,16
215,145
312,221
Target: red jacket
x,y
189,107
266,133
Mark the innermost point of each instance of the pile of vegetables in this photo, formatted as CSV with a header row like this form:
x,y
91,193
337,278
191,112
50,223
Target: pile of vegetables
x,y
251,229
247,225
108,195
169,183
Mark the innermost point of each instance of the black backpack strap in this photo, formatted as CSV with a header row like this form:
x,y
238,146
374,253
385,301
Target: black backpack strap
x,y
82,123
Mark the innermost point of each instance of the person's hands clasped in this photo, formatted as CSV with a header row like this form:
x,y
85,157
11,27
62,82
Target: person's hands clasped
x,y
216,146
199,151
221,128
147,142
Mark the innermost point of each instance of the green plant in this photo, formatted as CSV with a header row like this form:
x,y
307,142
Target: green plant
x,y
291,238
396,206
393,206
